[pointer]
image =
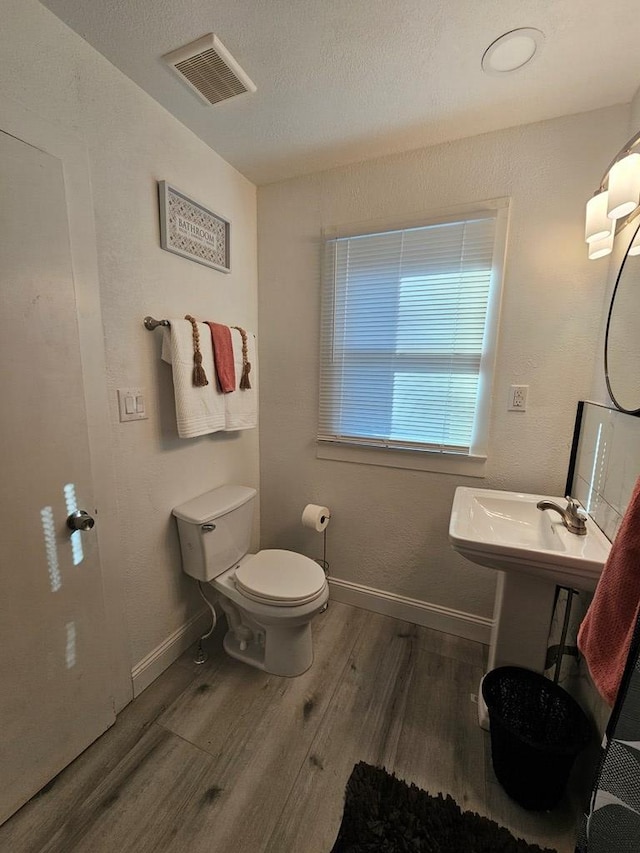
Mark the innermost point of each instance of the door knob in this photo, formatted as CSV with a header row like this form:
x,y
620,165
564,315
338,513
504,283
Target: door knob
x,y
80,520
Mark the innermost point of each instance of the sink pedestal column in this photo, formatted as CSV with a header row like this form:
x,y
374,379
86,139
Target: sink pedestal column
x,y
522,616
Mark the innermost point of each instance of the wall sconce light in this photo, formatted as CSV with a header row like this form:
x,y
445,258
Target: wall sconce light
x,y
616,202
634,248
600,248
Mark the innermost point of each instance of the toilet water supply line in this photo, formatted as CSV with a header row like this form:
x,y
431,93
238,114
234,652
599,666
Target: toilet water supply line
x,y
201,655
243,634
214,618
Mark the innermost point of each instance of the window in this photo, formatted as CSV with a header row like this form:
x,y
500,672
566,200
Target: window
x,y
409,322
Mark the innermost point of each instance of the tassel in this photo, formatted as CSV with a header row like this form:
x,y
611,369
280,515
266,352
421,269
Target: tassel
x,y
244,379
246,365
199,376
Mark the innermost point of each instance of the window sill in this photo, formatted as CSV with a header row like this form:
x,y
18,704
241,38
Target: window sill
x,y
414,460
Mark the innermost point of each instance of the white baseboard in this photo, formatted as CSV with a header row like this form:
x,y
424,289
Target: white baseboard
x,y
158,659
445,619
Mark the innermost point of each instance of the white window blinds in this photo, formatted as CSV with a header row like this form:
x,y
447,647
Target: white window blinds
x,y
403,329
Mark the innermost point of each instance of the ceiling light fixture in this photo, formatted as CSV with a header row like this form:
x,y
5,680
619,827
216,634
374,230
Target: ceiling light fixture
x,y
512,50
616,201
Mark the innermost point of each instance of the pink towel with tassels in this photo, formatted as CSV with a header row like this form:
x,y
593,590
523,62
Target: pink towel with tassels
x,y
223,356
607,629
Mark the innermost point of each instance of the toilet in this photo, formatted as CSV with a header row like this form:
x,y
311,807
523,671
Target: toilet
x,y
269,598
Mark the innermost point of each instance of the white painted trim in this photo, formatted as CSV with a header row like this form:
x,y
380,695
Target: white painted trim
x,y
57,141
431,216
414,460
445,619
158,659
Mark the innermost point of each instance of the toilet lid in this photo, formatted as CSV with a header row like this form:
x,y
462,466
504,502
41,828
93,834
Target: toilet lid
x,y
280,576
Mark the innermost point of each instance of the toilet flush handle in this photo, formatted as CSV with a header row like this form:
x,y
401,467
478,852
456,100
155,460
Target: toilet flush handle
x,y
207,527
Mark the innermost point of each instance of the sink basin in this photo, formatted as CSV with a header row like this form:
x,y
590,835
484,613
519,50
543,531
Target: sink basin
x,y
506,531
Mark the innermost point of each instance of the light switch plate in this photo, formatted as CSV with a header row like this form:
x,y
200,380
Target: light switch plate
x,y
132,404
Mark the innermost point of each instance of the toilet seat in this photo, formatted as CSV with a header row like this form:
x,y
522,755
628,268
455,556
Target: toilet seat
x,y
281,578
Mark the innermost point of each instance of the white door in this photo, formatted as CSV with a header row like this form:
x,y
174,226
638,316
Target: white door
x,y
55,682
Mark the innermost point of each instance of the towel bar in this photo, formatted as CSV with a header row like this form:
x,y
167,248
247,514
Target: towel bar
x,y
151,324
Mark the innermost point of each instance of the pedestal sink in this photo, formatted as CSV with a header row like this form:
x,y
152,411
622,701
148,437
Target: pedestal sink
x,y
533,552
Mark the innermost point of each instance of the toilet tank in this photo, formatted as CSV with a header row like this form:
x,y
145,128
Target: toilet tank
x,y
215,530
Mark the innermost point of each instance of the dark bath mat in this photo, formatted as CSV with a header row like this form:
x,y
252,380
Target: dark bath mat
x,y
382,814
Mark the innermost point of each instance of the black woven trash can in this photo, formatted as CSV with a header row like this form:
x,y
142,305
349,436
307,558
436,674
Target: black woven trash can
x,y
537,730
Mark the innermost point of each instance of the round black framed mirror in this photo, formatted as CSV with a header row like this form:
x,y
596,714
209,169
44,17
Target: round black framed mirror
x,y
622,338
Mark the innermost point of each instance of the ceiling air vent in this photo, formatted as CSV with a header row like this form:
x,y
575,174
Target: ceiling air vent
x,y
208,68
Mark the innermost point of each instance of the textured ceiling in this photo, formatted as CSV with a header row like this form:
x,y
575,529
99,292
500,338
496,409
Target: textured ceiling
x,y
345,80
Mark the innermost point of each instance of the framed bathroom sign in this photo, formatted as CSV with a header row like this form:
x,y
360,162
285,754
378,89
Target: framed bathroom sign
x,y
189,229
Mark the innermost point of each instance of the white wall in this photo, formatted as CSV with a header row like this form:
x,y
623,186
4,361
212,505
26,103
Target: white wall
x,y
132,143
634,122
389,526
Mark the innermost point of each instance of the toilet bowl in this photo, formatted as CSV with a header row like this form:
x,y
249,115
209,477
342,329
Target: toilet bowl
x,y
280,624
269,598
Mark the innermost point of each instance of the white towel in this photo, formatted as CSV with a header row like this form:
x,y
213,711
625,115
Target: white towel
x,y
198,410
241,405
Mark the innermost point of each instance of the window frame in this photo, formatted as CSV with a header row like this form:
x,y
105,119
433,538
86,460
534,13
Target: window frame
x,y
426,458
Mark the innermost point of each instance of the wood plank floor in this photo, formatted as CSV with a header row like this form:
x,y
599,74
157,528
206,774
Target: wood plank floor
x,y
222,758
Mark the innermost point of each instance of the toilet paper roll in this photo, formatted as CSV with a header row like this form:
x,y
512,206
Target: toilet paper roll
x,y
315,517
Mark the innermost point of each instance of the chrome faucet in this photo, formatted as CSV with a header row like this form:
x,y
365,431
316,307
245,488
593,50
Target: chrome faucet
x,y
572,516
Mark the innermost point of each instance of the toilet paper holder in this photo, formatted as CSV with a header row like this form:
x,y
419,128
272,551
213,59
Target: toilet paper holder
x,y
317,518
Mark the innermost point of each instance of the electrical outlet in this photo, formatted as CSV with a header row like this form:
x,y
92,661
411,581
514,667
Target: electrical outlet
x,y
518,398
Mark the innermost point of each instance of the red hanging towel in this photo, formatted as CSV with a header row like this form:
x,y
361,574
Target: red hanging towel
x,y
223,356
605,635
